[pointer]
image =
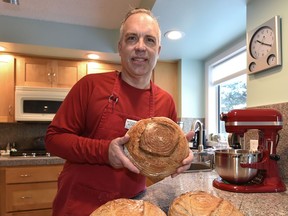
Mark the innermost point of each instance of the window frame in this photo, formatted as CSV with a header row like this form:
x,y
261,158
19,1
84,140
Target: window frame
x,y
211,93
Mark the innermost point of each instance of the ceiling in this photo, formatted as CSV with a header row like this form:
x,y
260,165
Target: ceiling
x,y
208,25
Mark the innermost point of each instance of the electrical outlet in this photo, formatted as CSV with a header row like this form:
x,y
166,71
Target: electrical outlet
x,y
253,145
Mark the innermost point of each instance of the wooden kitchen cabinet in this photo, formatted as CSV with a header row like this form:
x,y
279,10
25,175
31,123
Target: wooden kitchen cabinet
x,y
43,72
7,80
28,190
166,77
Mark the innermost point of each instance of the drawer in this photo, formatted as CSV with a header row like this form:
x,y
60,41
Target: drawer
x,y
21,197
32,174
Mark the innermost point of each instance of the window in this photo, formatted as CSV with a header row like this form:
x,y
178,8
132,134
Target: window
x,y
231,95
226,82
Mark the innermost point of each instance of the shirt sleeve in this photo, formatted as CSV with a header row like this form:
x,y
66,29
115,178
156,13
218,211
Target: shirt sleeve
x,y
63,137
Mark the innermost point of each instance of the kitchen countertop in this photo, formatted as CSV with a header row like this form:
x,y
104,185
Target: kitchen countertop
x,y
6,161
251,204
165,191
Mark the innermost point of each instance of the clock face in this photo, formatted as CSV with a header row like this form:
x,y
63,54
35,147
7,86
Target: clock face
x,y
262,42
264,46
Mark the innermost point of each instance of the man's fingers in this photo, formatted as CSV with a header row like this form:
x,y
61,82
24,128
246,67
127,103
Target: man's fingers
x,y
124,139
190,135
129,165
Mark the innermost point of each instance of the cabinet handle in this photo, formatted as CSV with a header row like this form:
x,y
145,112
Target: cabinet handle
x,y
49,77
25,175
53,77
26,197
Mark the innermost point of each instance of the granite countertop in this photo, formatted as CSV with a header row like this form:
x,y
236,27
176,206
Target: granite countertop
x,y
164,192
251,204
6,161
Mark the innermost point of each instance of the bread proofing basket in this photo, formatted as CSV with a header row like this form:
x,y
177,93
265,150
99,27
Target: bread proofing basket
x,y
227,165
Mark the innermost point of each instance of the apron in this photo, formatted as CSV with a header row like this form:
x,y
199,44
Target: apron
x,y
101,183
112,123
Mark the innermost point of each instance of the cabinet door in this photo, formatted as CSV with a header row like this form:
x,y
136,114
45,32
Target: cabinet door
x,y
34,72
7,89
67,73
43,72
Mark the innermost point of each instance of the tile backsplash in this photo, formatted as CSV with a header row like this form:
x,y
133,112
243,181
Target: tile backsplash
x,y
23,134
282,148
187,123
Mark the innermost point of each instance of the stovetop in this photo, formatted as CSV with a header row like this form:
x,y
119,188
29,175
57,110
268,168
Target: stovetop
x,y
30,152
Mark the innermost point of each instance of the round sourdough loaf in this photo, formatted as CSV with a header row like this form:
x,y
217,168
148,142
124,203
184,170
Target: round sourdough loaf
x,y
128,207
157,147
201,203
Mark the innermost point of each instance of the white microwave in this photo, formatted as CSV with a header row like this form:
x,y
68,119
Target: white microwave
x,y
37,103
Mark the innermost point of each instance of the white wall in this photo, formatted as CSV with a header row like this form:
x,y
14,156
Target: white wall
x,y
271,86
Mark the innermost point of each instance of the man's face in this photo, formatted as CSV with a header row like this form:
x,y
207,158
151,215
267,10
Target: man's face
x,y
139,47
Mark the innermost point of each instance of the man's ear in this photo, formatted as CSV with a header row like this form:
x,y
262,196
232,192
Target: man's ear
x,y
119,47
159,49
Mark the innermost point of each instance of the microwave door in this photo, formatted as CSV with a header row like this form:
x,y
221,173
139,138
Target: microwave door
x,y
41,106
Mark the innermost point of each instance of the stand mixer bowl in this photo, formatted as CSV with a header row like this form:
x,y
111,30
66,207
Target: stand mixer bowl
x,y
228,165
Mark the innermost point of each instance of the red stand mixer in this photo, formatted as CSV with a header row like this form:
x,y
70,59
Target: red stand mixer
x,y
268,122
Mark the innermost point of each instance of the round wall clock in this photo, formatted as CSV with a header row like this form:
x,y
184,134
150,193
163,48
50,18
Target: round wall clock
x,y
264,46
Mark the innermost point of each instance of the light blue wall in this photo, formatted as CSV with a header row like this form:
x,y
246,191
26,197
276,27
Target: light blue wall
x,y
27,31
192,92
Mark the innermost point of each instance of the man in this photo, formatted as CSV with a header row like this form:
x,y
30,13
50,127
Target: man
x,y
89,128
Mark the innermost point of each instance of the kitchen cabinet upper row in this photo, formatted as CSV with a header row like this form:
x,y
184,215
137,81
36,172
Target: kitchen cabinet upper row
x,y
47,72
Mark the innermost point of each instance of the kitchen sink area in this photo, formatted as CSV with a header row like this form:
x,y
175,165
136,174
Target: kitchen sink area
x,y
202,161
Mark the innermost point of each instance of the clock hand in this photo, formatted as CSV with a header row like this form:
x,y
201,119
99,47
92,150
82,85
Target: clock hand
x,y
264,43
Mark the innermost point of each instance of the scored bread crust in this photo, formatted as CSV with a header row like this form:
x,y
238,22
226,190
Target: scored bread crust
x,y
157,147
201,203
128,207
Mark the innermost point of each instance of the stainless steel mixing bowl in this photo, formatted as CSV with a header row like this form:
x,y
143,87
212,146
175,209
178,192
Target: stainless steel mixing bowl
x,y
227,164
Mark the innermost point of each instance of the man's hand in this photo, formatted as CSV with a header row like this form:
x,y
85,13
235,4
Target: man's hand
x,y
186,163
117,157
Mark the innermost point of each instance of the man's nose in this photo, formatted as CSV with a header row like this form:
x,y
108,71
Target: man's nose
x,y
141,44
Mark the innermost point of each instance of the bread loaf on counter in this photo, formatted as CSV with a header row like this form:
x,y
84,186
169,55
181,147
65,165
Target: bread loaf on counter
x,y
201,203
128,207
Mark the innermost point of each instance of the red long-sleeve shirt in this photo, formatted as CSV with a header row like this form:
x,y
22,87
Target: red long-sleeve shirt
x,y
75,134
